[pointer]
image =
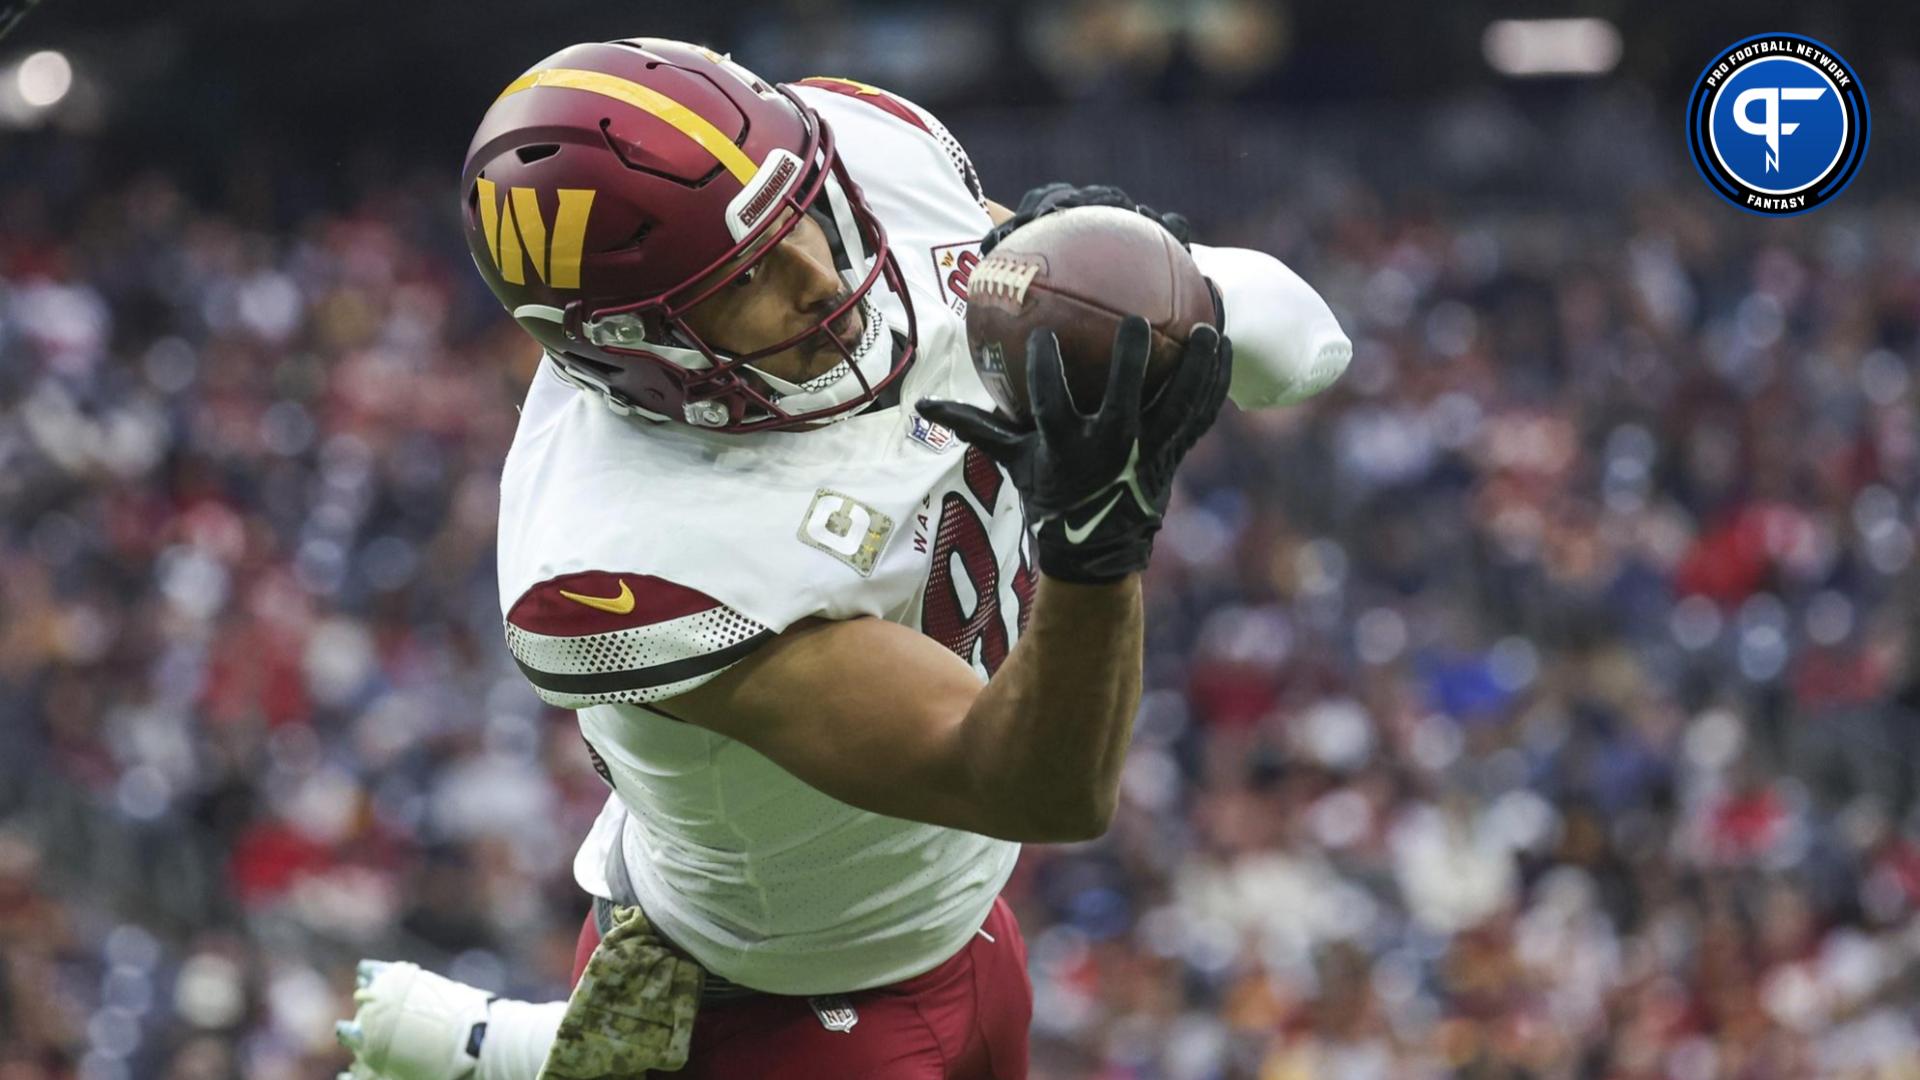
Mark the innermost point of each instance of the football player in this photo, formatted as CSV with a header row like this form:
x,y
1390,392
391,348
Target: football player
x,y
838,637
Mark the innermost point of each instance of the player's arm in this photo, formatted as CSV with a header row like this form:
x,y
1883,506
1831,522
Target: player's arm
x,y
873,713
882,717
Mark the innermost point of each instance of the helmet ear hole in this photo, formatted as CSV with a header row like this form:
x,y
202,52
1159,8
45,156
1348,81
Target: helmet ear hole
x,y
530,154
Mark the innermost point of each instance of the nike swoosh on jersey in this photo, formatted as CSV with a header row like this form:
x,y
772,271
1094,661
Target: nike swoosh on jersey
x,y
621,604
1075,536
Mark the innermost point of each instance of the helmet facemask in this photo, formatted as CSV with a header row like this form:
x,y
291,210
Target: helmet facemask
x,y
729,392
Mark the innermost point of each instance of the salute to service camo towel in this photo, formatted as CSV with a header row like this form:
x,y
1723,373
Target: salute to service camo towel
x,y
632,1010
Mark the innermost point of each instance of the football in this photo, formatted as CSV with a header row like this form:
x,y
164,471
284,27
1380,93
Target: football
x,y
1078,272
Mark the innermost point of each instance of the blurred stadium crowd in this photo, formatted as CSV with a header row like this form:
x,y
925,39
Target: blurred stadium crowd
x,y
1538,703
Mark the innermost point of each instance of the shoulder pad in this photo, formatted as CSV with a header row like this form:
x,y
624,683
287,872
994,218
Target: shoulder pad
x,y
913,115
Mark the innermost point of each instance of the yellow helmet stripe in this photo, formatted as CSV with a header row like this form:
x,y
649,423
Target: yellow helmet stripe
x,y
690,123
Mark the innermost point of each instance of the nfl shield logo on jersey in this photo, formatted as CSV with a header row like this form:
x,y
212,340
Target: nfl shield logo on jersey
x,y
835,1012
930,435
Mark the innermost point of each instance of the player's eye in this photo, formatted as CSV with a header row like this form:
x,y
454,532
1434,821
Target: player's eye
x,y
746,276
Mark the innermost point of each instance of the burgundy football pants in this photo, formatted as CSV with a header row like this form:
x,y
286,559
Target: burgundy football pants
x,y
964,1020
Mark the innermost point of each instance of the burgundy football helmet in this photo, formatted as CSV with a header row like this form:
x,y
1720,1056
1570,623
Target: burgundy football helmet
x,y
607,187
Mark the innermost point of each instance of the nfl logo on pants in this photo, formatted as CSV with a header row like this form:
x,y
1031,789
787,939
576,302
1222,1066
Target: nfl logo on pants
x,y
835,1012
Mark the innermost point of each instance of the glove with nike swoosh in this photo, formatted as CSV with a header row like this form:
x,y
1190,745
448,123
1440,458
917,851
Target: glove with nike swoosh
x,y
1097,485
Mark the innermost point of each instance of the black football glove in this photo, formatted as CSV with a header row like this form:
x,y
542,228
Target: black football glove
x,y
1061,195
1096,485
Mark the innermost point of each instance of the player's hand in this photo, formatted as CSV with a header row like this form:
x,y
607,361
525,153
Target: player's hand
x,y
1061,195
1097,485
410,1024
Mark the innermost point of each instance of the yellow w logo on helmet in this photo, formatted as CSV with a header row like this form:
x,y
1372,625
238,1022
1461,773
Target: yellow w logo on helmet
x,y
516,230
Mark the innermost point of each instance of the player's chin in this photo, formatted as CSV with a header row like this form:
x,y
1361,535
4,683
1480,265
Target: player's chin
x,y
805,361
820,356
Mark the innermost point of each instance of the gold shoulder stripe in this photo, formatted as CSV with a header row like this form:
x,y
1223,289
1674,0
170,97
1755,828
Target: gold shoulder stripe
x,y
645,98
864,88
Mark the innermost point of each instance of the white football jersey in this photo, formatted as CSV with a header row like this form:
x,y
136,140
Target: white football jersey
x,y
639,559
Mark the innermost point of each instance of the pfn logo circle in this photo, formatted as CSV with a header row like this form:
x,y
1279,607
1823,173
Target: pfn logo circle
x,y
1778,124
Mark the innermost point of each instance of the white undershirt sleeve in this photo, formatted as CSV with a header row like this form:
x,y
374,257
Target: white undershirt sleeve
x,y
1287,345
519,1034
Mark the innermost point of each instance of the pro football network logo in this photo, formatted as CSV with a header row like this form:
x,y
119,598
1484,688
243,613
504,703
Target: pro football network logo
x,y
1778,124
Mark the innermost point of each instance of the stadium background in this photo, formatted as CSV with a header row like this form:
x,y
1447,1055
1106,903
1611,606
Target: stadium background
x,y
1538,703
